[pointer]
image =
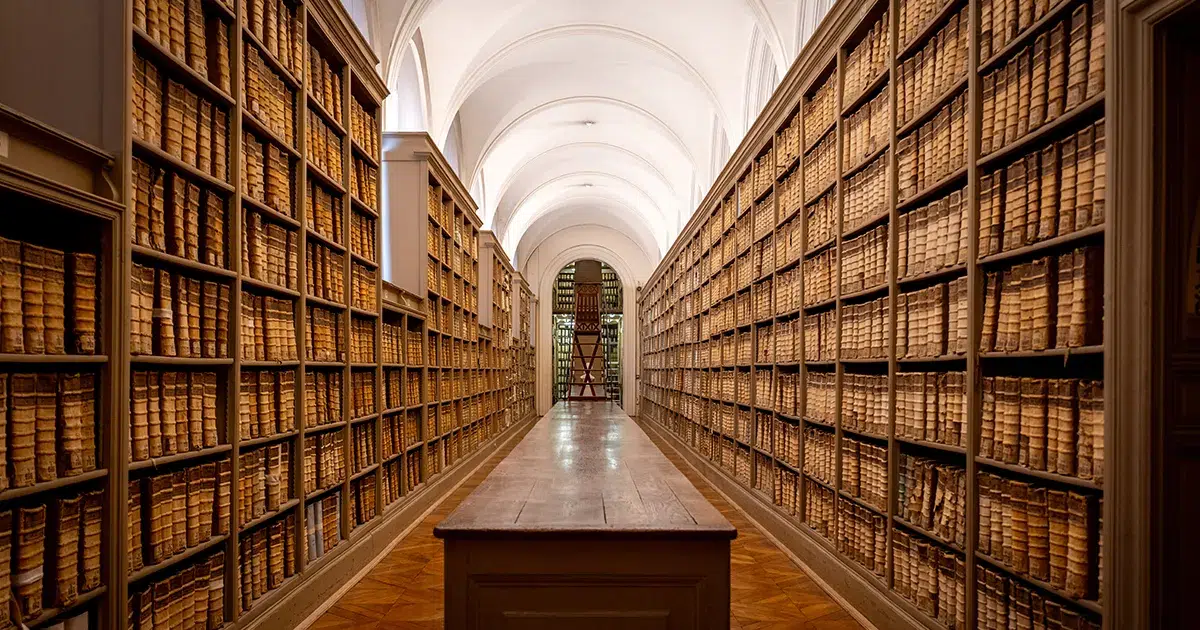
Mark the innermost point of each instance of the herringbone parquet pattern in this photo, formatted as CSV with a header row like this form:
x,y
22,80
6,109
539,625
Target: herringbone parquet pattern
x,y
404,591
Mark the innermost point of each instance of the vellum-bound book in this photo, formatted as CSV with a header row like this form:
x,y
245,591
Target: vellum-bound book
x,y
134,525
82,304
66,551
30,540
46,421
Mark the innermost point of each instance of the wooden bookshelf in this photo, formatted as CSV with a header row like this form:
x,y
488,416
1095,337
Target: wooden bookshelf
x,y
524,357
837,298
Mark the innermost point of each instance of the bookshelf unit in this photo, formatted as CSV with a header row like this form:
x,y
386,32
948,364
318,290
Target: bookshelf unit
x,y
497,283
885,320
524,357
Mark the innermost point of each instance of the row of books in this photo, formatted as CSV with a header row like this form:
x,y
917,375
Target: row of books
x,y
363,452
1007,603
324,215
362,393
762,173
324,147
193,597
326,272
822,218
819,274
1046,534
864,471
867,60
865,403
820,401
364,184
820,168
820,112
362,500
324,461
791,193
865,261
932,322
277,25
786,490
934,150
763,217
182,29
169,116
866,196
266,405
52,553
172,412
1049,424
400,431
786,441
1060,70
269,251
764,390
392,478
1052,192
322,526
51,427
1050,302
914,16
932,407
174,315
362,340
266,559
325,82
363,290
763,298
268,98
176,216
364,127
819,504
939,65
323,341
762,474
934,236
820,336
362,236
862,536
47,300
266,175
173,512
268,328
865,330
820,454
265,481
392,338
867,129
406,393
930,577
933,496
322,397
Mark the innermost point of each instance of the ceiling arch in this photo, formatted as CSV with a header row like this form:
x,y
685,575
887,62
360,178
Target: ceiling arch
x,y
598,215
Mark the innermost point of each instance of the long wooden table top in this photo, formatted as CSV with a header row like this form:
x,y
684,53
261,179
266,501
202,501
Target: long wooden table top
x,y
585,469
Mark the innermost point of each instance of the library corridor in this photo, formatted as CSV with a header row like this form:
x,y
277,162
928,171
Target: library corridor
x,y
404,590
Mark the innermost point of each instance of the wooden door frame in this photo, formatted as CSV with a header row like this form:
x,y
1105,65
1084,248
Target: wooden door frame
x,y
1133,533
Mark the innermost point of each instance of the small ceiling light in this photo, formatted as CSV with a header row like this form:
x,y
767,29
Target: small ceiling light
x,y
587,185
589,123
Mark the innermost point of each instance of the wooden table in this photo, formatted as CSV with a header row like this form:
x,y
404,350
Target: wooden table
x,y
586,525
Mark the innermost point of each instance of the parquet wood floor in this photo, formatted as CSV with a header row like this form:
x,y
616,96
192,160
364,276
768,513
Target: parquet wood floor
x,y
404,591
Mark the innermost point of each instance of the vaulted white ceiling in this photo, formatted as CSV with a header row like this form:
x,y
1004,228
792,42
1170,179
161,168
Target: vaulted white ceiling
x,y
561,113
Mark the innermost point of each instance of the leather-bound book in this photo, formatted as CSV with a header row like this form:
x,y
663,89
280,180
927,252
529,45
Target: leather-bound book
x,y
65,543
28,570
82,302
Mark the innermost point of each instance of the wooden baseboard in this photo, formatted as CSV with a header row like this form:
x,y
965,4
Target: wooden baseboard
x,y
320,589
845,584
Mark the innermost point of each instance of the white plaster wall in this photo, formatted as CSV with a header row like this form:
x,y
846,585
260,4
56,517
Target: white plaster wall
x,y
541,266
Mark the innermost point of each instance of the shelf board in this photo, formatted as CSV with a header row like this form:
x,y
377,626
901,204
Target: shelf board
x,y
325,114
178,68
868,91
180,361
1091,108
156,462
260,128
54,613
863,361
146,150
1088,605
248,282
808,149
325,178
361,206
1064,241
820,193
363,153
864,294
864,435
821,305
860,502
324,240
179,262
928,112
364,472
267,439
945,358
325,364
927,534
283,510
275,64
323,428
828,363
865,162
1040,474
317,494
866,225
957,450
1065,353
932,276
362,419
270,364
932,191
53,359
363,261
179,558
320,301
819,482
13,494
821,247
363,312
270,212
